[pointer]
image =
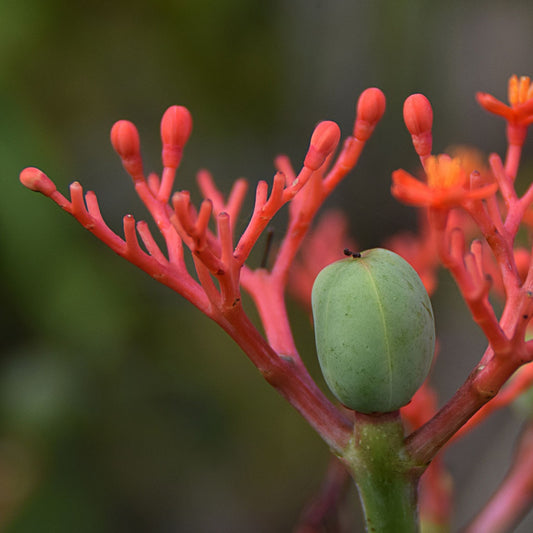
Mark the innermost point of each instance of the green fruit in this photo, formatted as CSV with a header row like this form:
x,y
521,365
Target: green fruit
x,y
374,330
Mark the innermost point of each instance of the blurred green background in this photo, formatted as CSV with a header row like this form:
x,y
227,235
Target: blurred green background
x,y
122,408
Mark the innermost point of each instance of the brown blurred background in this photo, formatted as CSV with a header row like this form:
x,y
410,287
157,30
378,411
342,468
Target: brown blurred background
x,y
122,408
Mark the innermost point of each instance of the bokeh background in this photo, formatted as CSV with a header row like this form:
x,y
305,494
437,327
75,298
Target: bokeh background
x,y
122,408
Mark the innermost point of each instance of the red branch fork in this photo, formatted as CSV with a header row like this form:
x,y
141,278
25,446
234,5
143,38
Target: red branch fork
x,y
498,223
220,262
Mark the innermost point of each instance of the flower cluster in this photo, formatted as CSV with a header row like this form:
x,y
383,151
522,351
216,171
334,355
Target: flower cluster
x,y
220,268
469,218
470,215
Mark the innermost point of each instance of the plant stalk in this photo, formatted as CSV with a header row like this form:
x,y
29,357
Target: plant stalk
x,y
386,478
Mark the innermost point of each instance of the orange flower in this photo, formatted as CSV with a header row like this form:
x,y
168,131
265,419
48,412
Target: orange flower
x,y
448,184
520,95
471,160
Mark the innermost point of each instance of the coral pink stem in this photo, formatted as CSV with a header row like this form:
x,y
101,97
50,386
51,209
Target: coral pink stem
x,y
269,298
512,159
482,385
291,381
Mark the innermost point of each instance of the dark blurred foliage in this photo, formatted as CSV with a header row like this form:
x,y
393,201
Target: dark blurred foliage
x,y
122,408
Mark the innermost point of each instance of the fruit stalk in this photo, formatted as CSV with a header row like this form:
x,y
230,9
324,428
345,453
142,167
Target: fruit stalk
x,y
386,479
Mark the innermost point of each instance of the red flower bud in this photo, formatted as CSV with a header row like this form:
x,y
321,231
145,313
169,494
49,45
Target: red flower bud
x,y
38,181
370,109
125,141
323,141
176,126
418,117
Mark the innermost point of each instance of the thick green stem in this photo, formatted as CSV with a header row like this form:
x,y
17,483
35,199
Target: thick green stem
x,y
385,477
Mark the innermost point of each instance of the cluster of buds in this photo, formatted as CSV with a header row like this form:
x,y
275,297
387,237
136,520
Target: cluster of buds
x,y
470,214
470,217
219,259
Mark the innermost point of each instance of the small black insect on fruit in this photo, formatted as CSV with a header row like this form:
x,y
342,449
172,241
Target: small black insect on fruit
x,y
349,253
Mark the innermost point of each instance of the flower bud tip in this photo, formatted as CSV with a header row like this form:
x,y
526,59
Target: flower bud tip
x,y
323,141
370,109
125,141
418,114
418,118
38,181
176,127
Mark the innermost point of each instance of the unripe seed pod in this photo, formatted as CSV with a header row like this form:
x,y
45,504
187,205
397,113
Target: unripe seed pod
x,y
374,330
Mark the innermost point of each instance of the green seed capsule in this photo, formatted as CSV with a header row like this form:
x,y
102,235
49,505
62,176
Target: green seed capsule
x,y
374,330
